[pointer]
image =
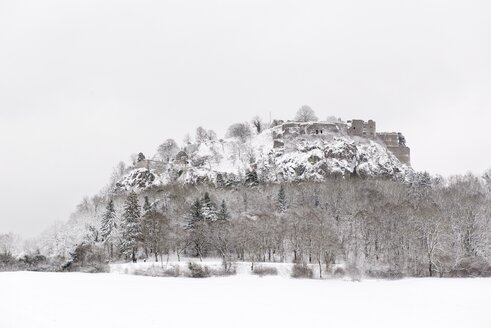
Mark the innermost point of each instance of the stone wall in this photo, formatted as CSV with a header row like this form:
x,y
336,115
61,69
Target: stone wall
x,y
321,128
310,128
394,141
391,139
361,128
402,153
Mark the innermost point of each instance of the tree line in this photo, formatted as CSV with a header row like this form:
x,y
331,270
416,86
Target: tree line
x,y
429,227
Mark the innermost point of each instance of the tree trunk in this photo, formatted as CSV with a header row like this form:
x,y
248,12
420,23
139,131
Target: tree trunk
x,y
430,266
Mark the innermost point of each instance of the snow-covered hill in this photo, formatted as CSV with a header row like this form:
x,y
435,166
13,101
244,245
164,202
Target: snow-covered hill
x,y
265,158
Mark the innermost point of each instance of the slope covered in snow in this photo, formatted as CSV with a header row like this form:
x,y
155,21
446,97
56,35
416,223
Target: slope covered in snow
x,y
265,158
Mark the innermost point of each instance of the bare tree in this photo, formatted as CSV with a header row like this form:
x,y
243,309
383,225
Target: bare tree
x,y
187,139
155,231
212,136
241,131
201,135
258,124
305,114
487,177
167,150
334,119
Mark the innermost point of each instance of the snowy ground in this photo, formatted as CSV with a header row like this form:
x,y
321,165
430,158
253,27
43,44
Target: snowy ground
x,y
30,299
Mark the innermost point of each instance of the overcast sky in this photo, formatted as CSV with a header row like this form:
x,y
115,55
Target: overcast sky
x,y
86,83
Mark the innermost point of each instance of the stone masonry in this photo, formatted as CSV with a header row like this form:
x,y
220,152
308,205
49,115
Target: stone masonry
x,y
394,141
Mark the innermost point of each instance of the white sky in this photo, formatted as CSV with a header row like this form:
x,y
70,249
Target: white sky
x,y
85,83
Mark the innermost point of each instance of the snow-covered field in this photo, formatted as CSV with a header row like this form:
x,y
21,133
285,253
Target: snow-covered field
x,y
30,299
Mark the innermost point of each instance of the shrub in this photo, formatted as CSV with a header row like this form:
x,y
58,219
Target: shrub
x,y
6,258
385,274
302,271
265,271
173,271
221,272
471,267
33,260
198,271
354,273
92,268
155,271
339,273
8,263
31,263
87,258
228,266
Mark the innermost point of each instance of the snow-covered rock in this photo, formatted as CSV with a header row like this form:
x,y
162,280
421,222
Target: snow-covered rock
x,y
288,159
137,179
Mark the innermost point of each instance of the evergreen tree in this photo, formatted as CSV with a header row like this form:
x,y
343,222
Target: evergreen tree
x,y
316,199
197,227
148,212
221,236
223,214
108,222
251,178
195,214
208,209
420,183
130,227
245,202
220,180
282,202
147,207
140,157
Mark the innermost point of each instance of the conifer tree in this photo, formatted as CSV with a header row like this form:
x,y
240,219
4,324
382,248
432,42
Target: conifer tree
x,y
108,226
130,227
316,198
220,235
147,207
282,202
220,181
198,227
195,214
108,222
148,212
140,157
223,214
208,209
251,178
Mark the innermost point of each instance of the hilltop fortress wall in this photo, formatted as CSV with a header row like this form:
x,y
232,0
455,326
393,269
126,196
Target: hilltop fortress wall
x,y
394,141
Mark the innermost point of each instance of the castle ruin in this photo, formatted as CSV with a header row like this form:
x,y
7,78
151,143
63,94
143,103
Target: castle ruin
x,y
394,141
